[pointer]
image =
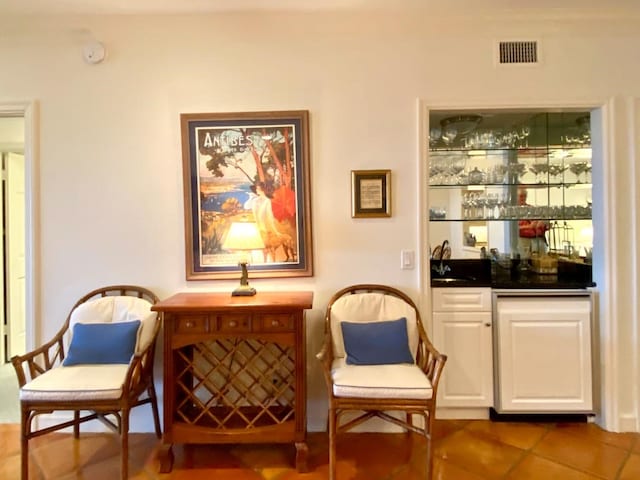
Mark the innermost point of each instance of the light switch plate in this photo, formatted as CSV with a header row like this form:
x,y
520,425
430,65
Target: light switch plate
x,y
407,259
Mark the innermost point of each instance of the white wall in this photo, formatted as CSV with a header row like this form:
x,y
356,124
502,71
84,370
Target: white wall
x,y
11,133
111,200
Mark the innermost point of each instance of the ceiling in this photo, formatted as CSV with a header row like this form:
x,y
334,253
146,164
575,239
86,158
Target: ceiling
x,y
212,6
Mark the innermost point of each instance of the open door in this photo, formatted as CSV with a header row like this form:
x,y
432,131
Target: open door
x,y
14,239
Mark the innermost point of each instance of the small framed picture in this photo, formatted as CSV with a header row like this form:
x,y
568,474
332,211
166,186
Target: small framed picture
x,y
370,193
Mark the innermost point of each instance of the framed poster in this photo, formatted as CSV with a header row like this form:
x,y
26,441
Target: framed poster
x,y
246,172
370,193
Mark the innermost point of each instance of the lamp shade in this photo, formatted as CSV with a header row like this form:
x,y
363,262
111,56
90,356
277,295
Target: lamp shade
x,y
243,236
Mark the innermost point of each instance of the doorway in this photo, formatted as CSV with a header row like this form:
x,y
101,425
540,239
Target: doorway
x,y
12,215
12,254
16,248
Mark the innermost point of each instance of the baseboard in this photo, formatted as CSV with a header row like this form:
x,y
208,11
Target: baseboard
x,y
446,413
628,423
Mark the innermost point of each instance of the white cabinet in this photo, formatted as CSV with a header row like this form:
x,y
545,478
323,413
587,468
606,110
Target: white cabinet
x,y
462,331
543,347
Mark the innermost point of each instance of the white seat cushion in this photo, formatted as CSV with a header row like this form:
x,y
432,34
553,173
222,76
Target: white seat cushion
x,y
77,382
403,380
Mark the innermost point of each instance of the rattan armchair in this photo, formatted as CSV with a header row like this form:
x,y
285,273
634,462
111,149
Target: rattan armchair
x,y
371,387
103,391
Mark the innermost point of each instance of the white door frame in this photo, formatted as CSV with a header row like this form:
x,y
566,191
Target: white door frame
x,y
28,110
605,207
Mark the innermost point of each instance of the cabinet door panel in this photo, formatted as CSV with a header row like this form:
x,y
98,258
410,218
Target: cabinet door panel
x,y
461,299
544,354
465,337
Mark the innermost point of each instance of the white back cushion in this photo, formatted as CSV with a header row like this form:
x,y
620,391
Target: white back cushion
x,y
371,307
114,309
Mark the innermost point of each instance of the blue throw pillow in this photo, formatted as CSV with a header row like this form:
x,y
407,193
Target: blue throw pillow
x,y
376,343
102,343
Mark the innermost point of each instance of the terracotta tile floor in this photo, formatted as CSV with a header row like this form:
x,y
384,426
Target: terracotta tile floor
x,y
464,450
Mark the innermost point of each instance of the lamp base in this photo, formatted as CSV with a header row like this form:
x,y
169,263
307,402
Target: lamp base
x,y
243,291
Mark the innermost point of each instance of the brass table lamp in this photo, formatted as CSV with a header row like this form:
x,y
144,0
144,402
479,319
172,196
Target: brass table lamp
x,y
243,237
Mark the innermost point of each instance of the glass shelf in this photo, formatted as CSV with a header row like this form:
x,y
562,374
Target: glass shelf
x,y
498,185
511,166
480,219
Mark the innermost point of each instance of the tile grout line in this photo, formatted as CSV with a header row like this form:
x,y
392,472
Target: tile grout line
x,y
626,459
551,459
529,451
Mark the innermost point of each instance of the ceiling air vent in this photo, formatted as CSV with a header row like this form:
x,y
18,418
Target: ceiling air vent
x,y
519,52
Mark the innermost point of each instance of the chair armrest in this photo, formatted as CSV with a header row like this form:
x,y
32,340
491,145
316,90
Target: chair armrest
x,y
431,361
325,355
38,361
140,371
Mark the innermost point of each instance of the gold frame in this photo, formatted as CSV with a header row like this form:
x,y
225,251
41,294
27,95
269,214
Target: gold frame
x,y
377,199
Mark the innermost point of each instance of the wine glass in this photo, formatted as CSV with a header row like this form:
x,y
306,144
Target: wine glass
x,y
516,170
538,169
578,168
456,167
525,131
449,135
556,169
435,134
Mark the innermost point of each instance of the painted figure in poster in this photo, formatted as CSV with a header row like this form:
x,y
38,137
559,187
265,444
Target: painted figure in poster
x,y
247,174
262,207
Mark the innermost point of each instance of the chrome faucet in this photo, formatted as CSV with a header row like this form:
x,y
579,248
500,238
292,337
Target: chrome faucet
x,y
442,268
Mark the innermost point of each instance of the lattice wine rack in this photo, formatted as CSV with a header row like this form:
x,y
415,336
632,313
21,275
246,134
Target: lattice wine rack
x,y
235,383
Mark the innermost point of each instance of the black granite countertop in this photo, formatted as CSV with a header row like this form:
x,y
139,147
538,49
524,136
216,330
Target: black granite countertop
x,y
527,279
484,273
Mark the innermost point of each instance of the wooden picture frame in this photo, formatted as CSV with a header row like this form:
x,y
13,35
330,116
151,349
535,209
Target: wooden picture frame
x,y
370,193
247,167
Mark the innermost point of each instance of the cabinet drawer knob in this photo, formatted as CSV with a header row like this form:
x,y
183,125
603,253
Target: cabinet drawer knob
x,y
189,324
275,323
487,324
233,323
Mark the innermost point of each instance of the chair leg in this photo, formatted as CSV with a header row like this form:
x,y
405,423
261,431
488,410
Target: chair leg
x,y
76,424
410,436
428,433
409,420
429,458
151,391
24,442
332,443
124,449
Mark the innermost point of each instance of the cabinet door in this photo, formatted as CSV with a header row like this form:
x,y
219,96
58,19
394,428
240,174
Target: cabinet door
x,y
465,337
544,354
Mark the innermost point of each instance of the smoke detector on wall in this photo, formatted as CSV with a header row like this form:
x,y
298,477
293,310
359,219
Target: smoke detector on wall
x,y
94,52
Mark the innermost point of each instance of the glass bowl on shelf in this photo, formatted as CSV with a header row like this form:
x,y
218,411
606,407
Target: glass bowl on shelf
x,y
437,213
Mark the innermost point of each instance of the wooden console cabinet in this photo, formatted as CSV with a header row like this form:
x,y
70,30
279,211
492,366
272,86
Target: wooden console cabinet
x,y
234,370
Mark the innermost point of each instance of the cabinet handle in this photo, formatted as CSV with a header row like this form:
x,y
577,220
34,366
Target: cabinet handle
x,y
275,323
233,323
487,324
189,324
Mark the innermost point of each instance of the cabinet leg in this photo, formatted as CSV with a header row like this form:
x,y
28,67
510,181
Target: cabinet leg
x,y
165,455
302,452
